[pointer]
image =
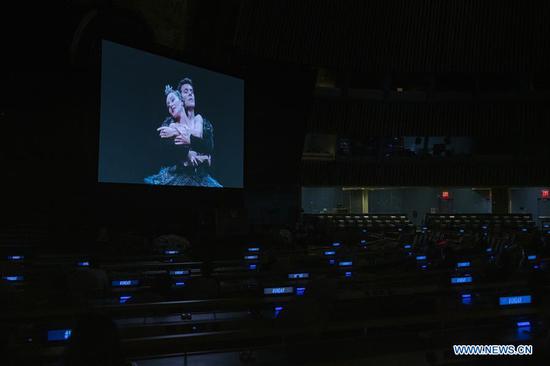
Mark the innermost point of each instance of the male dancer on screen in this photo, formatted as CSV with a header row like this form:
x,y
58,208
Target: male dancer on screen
x,y
193,133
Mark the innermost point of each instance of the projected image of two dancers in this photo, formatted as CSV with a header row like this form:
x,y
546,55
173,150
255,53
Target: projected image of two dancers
x,y
193,137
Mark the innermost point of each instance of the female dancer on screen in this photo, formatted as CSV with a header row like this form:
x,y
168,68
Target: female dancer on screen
x,y
193,133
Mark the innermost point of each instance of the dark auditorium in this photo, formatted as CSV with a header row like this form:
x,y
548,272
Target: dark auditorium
x,y
275,183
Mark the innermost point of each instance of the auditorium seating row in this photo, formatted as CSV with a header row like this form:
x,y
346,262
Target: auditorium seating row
x,y
268,295
480,221
161,327
373,222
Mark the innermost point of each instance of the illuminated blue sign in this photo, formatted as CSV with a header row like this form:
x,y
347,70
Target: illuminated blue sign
x,y
278,310
250,257
59,334
465,279
421,257
13,278
124,299
298,275
514,300
123,283
179,272
463,264
278,290
466,299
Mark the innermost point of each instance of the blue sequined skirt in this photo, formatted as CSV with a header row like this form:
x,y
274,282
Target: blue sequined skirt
x,y
190,176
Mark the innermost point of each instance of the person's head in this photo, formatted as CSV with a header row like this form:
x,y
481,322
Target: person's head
x,y
185,87
174,101
94,341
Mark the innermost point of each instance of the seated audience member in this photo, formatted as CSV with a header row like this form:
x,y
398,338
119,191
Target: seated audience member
x,y
89,283
172,241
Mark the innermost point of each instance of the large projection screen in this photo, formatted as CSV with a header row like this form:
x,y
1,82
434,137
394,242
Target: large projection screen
x,y
165,122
